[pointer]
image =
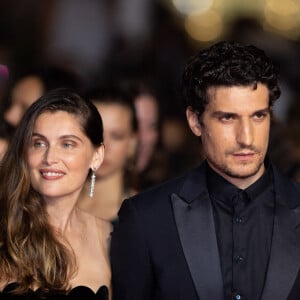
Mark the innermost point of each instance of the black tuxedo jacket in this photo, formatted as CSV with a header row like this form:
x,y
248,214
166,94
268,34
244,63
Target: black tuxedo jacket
x,y
165,247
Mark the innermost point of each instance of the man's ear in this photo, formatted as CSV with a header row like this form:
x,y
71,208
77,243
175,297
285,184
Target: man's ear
x,y
193,120
98,158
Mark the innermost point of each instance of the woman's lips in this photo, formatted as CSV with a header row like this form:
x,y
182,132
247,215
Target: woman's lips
x,y
51,174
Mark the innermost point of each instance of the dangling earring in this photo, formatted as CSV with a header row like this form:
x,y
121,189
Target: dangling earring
x,y
93,180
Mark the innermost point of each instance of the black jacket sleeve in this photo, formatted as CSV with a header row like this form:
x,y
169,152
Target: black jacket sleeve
x,y
132,276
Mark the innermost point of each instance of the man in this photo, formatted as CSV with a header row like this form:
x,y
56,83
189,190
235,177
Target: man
x,y
230,228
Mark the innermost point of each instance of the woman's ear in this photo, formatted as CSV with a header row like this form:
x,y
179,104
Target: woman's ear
x,y
98,157
193,121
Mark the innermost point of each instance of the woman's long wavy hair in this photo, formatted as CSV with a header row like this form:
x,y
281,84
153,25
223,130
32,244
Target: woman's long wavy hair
x,y
31,252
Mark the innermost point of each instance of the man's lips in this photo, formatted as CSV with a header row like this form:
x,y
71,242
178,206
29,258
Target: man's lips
x,y
244,155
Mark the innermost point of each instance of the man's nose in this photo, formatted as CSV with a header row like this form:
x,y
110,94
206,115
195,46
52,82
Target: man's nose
x,y
245,133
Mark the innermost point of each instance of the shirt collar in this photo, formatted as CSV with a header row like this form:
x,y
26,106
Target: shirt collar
x,y
221,189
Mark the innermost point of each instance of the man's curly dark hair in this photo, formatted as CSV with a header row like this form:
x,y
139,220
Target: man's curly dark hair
x,y
227,64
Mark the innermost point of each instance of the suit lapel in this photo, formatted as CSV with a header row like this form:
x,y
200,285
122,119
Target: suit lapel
x,y
284,260
285,256
195,223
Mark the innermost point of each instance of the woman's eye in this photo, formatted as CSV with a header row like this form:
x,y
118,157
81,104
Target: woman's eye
x,y
39,144
68,145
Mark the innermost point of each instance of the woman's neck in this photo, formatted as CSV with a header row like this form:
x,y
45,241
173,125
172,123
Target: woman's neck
x,y
61,213
107,199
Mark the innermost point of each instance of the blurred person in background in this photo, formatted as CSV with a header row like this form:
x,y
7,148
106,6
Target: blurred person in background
x,y
28,86
293,126
281,148
4,76
147,110
114,180
6,130
175,136
49,248
150,162
6,134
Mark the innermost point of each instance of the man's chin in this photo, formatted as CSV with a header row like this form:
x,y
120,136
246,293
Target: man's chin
x,y
243,172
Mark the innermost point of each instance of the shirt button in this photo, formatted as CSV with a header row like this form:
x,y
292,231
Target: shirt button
x,y
238,220
238,258
236,295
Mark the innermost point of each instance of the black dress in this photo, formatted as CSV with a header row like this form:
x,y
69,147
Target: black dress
x,y
79,292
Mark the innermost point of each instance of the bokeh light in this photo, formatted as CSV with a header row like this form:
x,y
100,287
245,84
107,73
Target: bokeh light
x,y
282,15
192,6
204,27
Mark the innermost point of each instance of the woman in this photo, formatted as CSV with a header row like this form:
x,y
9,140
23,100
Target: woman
x,y
50,249
27,87
151,159
113,179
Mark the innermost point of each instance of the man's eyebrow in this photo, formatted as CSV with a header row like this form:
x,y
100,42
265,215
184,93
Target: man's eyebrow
x,y
262,111
220,113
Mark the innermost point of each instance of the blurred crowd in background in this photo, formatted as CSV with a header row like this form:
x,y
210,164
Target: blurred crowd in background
x,y
139,48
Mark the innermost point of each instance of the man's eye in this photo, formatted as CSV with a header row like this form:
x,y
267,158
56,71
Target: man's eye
x,y
226,118
260,116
